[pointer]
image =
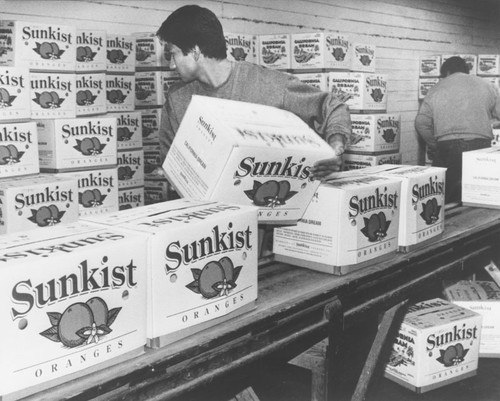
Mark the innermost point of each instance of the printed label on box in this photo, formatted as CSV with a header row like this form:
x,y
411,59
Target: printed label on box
x,y
15,102
375,133
52,95
121,53
130,168
241,47
129,198
90,94
120,93
18,149
90,50
274,51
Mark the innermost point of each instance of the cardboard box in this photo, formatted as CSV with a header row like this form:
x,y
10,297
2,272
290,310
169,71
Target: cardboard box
x,y
149,89
18,149
152,162
28,203
91,50
120,93
375,133
91,94
275,51
481,177
470,59
129,130
73,301
482,297
52,95
149,52
130,168
488,64
38,46
203,264
15,102
121,53
424,85
151,119
167,79
437,344
97,190
76,144
364,57
367,91
430,66
241,47
129,198
158,190
317,79
349,221
422,201
354,161
246,154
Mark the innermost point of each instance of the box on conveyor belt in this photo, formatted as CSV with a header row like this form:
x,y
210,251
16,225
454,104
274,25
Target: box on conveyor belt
x,y
241,47
120,92
482,297
424,85
430,66
53,95
120,53
97,190
91,50
349,221
73,301
375,133
129,198
149,52
367,91
39,201
76,143
355,161
246,154
91,94
363,58
275,51
128,130
38,46
422,201
130,168
18,149
202,266
481,177
437,344
15,101
488,64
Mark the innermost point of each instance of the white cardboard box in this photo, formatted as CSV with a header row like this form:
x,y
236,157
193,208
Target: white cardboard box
x,y
246,154
488,64
91,50
430,66
202,266
15,102
129,198
241,47
53,95
368,91
76,144
275,51
120,92
375,133
364,57
481,177
42,201
149,89
120,53
424,85
129,129
482,297
73,301
437,344
90,94
317,79
354,161
349,221
130,168
18,149
149,52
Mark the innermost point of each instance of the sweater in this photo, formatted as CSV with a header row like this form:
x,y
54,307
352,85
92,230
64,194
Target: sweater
x,y
460,106
248,82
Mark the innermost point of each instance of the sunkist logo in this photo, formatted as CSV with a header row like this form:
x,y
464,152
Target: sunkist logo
x,y
88,82
88,38
9,79
119,43
50,33
47,195
92,127
11,133
238,41
433,187
118,83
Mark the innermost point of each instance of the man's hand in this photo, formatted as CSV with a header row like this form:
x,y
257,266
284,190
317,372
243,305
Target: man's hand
x,y
322,168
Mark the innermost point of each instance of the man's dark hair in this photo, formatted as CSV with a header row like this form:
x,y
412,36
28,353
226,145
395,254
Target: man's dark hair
x,y
452,65
191,26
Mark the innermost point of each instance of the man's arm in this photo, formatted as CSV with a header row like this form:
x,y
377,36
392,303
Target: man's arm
x,y
424,124
168,128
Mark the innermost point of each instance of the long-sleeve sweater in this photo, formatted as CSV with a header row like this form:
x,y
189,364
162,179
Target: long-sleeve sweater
x,y
460,106
322,111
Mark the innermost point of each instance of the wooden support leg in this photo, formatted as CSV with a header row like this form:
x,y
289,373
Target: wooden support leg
x,y
373,367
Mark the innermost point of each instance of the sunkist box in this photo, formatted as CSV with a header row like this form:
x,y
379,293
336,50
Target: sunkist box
x,y
367,91
40,47
73,301
424,85
354,161
120,53
53,95
482,297
437,344
129,130
275,52
18,149
28,203
317,79
202,266
241,47
76,144
90,94
90,50
149,52
97,190
15,102
246,154
120,92
481,177
488,64
149,89
130,168
363,57
129,198
422,201
349,221
375,133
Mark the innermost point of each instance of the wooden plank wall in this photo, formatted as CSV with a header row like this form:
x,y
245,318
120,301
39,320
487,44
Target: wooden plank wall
x,y
402,30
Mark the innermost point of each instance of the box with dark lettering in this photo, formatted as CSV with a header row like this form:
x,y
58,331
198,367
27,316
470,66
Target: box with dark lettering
x,y
437,344
202,267
52,95
350,220
129,198
38,46
28,203
15,102
149,51
120,92
246,154
91,50
120,53
129,129
73,302
375,133
275,51
366,91
241,47
76,144
130,168
90,94
18,149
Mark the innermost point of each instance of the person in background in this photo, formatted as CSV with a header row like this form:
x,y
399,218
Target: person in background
x,y
195,39
455,117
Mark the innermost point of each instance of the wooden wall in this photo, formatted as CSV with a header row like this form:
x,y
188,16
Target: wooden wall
x,y
402,30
